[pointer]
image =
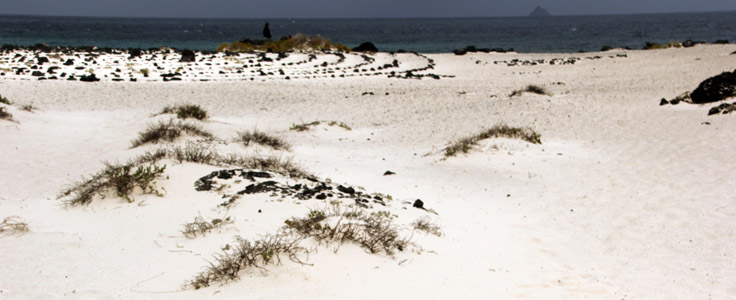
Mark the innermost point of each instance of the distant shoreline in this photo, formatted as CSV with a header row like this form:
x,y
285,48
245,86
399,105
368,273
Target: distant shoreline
x,y
558,34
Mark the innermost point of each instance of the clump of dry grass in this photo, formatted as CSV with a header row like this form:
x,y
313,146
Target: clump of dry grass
x,y
28,108
201,227
260,138
531,89
185,111
5,100
122,180
13,225
375,232
308,126
244,254
168,132
424,224
465,144
5,115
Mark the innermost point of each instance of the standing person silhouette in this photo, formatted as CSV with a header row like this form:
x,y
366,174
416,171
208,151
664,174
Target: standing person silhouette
x,y
266,32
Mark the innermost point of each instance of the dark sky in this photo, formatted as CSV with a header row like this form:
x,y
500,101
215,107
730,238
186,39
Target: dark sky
x,y
349,8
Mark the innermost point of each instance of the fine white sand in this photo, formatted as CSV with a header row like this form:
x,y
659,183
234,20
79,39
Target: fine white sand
x,y
624,199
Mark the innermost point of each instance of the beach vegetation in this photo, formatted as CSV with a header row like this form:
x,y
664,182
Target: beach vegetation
x,y
424,224
144,72
168,132
185,111
5,115
201,227
243,254
205,154
501,130
375,232
653,46
531,89
298,42
308,126
260,138
122,180
5,100
28,108
13,225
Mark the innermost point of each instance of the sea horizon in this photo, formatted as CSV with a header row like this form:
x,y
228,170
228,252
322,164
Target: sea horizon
x,y
570,33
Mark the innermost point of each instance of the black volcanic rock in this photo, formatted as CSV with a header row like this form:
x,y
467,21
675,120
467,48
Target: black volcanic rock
x,y
539,12
89,78
715,88
187,56
366,47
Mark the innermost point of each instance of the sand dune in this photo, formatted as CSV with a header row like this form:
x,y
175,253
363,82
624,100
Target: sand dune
x,y
623,199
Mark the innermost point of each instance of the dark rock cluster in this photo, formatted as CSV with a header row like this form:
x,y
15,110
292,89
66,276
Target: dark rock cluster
x,y
472,49
309,189
716,88
366,47
725,108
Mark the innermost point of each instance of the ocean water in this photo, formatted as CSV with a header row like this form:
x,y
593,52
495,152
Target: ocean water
x,y
431,35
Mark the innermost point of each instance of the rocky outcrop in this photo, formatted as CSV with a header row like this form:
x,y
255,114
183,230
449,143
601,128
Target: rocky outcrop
x,y
366,47
725,108
716,88
539,12
188,56
472,49
89,78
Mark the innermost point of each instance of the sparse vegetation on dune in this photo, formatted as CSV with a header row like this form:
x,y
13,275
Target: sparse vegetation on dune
x,y
186,111
260,138
425,225
652,46
465,144
4,100
531,89
375,232
28,108
5,115
122,180
142,172
308,126
201,227
168,132
244,254
13,225
298,42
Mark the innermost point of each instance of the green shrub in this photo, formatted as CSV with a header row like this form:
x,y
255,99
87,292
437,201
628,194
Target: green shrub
x,y
124,179
4,100
465,144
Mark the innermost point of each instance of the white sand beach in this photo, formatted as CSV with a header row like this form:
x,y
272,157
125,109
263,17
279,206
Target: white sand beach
x,y
623,199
